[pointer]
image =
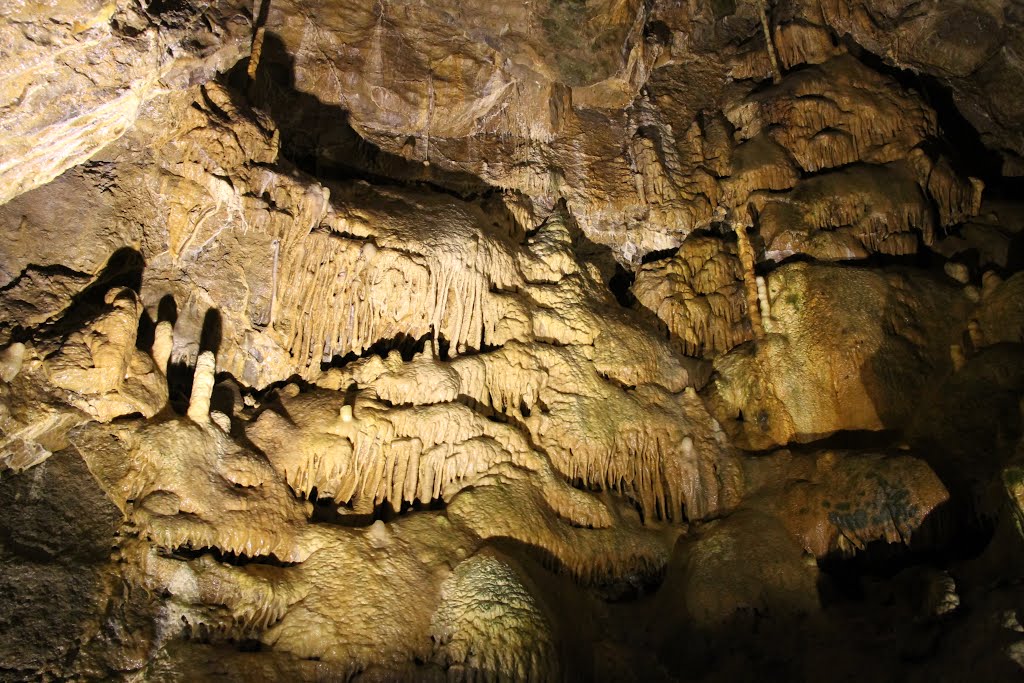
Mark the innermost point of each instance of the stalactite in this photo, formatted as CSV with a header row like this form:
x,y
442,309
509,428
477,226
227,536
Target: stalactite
x,y
768,42
259,32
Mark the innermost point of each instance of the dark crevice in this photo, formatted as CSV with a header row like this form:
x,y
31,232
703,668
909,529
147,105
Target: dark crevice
x,y
661,254
407,345
188,553
623,585
616,382
850,440
951,535
620,284
923,259
326,510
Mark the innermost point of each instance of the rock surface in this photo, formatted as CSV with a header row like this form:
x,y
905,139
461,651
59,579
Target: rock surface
x,y
78,74
567,340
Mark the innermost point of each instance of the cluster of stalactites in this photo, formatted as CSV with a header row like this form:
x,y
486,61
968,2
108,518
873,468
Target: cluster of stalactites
x,y
584,422
698,295
861,139
372,454
367,294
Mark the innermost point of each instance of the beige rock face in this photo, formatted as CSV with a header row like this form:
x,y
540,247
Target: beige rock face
x,y
968,45
78,74
501,57
698,295
561,340
826,366
613,125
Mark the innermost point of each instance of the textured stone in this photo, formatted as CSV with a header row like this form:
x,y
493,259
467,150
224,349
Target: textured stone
x,y
77,77
456,340
847,349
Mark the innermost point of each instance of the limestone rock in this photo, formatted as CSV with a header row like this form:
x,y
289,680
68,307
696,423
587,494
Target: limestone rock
x,y
968,46
456,340
729,577
826,368
488,616
880,209
102,368
987,240
836,502
78,76
1000,317
55,550
698,295
825,121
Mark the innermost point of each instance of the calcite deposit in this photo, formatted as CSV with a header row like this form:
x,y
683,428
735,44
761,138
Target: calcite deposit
x,y
565,340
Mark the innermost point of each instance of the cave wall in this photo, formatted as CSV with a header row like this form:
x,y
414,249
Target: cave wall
x,y
577,340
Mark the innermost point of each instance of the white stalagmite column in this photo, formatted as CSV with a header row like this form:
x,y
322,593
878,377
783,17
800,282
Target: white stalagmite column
x,y
202,388
276,246
746,256
163,342
765,303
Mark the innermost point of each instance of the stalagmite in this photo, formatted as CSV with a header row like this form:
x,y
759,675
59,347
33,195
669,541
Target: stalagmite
x,y
276,247
746,255
163,343
764,304
202,388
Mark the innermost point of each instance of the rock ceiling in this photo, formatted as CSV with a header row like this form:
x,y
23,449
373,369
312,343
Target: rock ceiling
x,y
543,340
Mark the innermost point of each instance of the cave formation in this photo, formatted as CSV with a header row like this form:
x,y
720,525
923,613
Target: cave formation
x,y
562,340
